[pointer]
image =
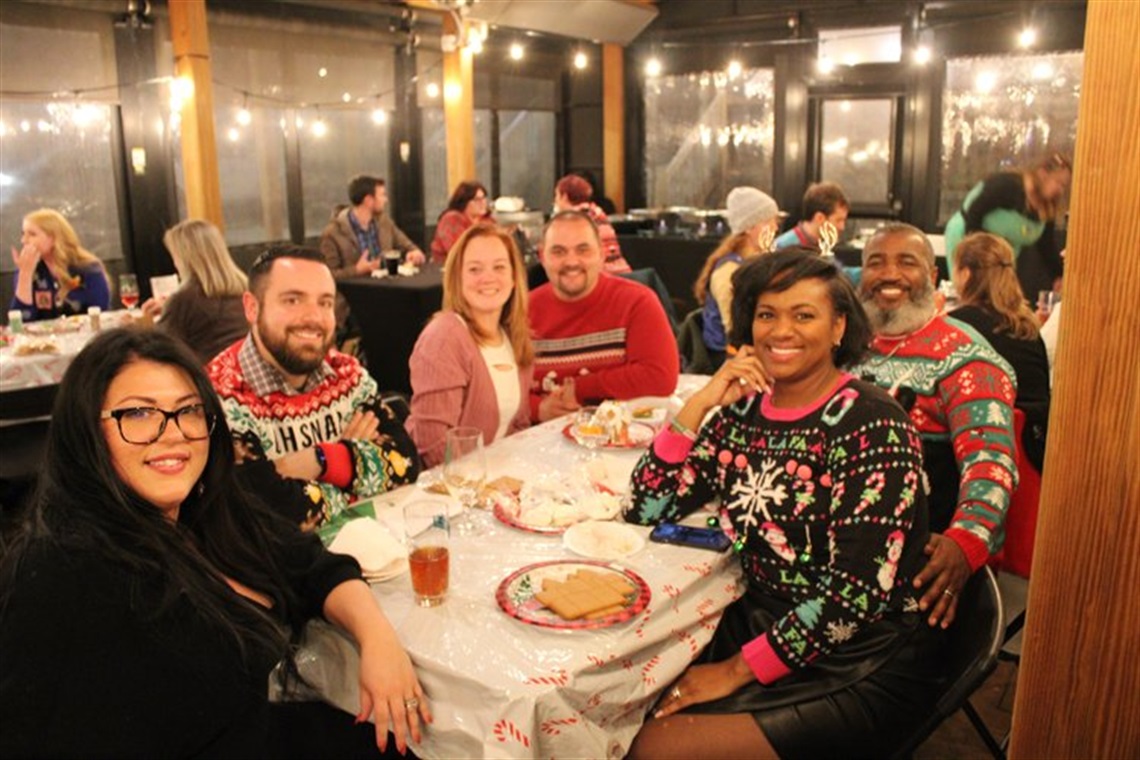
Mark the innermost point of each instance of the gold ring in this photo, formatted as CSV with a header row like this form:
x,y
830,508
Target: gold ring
x,y
412,703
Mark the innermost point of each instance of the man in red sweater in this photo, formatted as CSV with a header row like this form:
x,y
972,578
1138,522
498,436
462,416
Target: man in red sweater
x,y
596,336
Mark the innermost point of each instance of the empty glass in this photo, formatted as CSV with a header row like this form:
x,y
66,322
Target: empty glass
x,y
464,473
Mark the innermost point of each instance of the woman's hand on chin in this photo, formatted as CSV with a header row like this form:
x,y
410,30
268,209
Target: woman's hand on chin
x,y
738,377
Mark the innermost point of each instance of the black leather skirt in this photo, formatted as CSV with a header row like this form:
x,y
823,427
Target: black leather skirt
x,y
862,700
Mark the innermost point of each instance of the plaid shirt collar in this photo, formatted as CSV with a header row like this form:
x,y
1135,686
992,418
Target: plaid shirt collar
x,y
264,378
368,238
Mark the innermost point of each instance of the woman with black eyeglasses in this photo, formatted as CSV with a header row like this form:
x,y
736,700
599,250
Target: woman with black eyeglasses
x,y
146,598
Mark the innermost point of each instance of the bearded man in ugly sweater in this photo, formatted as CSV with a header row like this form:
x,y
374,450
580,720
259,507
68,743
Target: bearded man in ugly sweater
x,y
311,433
959,393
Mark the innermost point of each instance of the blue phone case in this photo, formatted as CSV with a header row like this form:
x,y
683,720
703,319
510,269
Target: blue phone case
x,y
712,539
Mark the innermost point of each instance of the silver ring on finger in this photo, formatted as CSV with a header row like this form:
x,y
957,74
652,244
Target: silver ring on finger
x,y
948,592
412,703
676,693
742,380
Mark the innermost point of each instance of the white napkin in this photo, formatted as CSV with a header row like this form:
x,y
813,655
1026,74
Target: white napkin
x,y
370,544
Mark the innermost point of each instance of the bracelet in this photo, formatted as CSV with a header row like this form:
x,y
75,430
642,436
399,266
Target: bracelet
x,y
322,460
680,429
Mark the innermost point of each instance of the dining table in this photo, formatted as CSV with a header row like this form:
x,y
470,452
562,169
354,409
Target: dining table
x,y
504,685
391,312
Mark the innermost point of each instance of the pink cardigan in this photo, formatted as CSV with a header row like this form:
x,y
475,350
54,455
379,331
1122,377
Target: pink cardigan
x,y
451,386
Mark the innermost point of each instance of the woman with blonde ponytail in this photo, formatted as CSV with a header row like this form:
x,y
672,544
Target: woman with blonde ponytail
x,y
993,304
55,275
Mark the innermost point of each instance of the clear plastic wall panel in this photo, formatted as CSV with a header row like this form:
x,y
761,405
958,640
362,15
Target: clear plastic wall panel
x,y
1005,112
349,143
251,171
59,155
437,191
706,133
56,123
855,148
526,156
853,46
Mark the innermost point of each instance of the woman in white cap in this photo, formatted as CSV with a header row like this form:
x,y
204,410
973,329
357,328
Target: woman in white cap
x,y
753,218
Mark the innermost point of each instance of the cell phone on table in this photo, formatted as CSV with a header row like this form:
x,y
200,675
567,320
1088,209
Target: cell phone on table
x,y
712,539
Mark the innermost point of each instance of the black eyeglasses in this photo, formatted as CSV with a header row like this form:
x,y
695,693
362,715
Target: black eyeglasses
x,y
146,424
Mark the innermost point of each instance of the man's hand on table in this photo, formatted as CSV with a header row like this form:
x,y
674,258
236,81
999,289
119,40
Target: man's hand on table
x,y
944,577
559,402
366,265
704,683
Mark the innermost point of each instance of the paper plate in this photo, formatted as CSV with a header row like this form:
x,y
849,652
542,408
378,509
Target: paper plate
x,y
507,518
394,570
640,436
603,540
515,594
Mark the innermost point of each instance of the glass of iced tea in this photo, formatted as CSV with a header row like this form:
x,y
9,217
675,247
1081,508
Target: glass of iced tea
x,y
427,532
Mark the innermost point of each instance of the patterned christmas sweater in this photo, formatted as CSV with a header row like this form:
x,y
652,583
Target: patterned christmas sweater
x,y
266,428
960,394
824,506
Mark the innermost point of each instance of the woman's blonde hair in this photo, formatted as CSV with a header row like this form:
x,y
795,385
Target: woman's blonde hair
x,y
741,243
68,252
513,317
205,259
1052,208
992,284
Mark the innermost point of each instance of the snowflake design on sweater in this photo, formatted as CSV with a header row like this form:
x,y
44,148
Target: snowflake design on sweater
x,y
839,631
756,491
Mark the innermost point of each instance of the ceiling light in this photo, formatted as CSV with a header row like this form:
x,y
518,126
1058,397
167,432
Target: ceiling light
x,y
517,51
653,67
581,61
1027,38
922,55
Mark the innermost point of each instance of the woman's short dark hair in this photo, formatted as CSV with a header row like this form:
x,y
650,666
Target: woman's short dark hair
x,y
463,194
779,271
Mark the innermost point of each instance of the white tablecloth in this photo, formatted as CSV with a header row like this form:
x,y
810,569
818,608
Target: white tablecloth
x,y
505,689
32,370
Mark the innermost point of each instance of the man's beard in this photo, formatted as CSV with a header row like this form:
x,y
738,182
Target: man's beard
x,y
913,314
293,362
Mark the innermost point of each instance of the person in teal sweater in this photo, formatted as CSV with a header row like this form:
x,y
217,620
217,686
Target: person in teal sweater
x,y
1020,207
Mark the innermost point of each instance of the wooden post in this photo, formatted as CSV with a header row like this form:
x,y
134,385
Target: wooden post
x,y
613,122
1078,691
459,108
199,147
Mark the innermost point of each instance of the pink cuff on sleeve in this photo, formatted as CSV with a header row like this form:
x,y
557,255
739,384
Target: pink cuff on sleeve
x,y
672,446
765,664
973,547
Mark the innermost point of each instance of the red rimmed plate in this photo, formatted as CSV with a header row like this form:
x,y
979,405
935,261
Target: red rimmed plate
x,y
640,436
507,518
515,594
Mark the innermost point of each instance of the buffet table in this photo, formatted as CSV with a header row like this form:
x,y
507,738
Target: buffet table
x,y
500,687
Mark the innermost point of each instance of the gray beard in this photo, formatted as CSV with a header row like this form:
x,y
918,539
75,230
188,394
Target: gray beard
x,y
907,318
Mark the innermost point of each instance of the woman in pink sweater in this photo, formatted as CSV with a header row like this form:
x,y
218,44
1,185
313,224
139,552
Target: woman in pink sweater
x,y
472,364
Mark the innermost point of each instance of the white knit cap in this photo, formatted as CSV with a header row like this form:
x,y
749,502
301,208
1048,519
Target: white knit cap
x,y
747,207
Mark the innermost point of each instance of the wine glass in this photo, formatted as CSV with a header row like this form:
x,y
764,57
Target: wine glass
x,y
589,432
128,290
464,472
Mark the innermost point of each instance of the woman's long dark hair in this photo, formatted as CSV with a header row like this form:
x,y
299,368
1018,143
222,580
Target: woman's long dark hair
x,y
463,194
82,504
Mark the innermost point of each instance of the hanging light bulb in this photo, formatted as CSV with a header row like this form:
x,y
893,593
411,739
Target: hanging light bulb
x,y
922,55
1027,38
653,67
825,65
432,90
734,69
581,61
244,117
234,134
320,129
517,51
379,116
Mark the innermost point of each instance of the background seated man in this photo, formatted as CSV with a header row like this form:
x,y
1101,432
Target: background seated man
x,y
596,336
306,419
823,202
959,393
354,241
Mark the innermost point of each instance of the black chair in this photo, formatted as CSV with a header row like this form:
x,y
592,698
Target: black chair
x,y
25,416
691,345
975,640
648,276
